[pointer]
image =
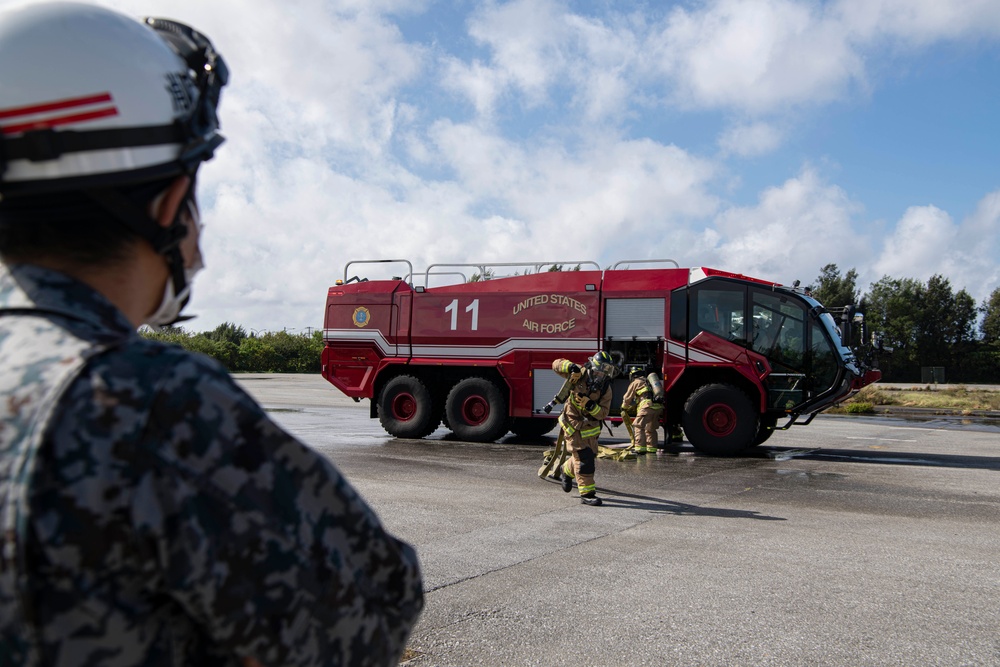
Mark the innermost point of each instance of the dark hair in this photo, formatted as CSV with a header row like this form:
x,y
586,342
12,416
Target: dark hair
x,y
69,226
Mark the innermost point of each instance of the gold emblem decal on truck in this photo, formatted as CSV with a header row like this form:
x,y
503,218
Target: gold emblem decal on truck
x,y
361,317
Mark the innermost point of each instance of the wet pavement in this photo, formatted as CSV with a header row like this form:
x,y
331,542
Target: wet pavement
x,y
851,541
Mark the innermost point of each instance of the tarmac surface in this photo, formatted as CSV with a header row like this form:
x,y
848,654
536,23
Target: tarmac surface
x,y
850,541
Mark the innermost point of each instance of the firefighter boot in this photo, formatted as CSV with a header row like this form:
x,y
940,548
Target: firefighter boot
x,y
588,495
567,478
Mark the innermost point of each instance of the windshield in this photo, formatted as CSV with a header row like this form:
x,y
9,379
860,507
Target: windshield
x,y
846,353
801,343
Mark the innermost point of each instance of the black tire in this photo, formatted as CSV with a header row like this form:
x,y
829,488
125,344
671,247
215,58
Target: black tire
x,y
531,427
764,431
476,410
405,408
719,420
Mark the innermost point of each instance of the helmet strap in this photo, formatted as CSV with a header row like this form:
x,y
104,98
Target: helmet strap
x,y
165,240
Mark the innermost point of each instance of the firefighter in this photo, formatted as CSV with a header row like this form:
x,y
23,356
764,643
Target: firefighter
x,y
629,407
152,512
646,405
586,408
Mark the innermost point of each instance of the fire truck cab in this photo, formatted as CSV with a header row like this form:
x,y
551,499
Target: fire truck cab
x,y
740,357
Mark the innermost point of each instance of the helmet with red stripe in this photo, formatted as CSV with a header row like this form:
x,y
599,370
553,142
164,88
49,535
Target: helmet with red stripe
x,y
93,98
102,111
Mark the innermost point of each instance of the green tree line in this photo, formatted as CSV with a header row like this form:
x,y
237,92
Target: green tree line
x,y
239,351
924,324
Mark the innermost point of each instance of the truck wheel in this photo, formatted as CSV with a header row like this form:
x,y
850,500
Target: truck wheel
x,y
764,431
476,410
405,408
531,427
719,419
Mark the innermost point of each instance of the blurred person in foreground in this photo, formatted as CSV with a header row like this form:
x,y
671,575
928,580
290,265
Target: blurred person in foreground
x,y
152,513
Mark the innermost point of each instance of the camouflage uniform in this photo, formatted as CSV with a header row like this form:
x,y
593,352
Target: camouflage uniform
x,y
581,426
154,515
647,413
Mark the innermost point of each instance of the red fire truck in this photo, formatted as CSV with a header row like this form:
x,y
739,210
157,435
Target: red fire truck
x,y
740,357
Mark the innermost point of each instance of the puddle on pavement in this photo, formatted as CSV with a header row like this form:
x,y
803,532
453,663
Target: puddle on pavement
x,y
788,454
883,459
808,474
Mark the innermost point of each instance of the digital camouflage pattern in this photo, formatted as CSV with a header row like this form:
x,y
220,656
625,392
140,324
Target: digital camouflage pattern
x,y
154,515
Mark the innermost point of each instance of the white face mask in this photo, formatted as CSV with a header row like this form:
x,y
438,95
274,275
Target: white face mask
x,y
173,302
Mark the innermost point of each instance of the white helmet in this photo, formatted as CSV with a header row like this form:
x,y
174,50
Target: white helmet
x,y
90,98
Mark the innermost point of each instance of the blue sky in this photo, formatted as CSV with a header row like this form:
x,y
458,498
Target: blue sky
x,y
768,137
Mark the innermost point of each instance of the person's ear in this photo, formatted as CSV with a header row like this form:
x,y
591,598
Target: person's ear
x,y
164,208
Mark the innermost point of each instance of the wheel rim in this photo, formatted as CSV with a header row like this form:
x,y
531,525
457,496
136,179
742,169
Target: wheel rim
x,y
404,406
475,410
719,420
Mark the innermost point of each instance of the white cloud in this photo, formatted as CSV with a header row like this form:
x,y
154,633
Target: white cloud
x,y
479,84
754,56
750,139
319,72
794,230
539,47
919,243
979,268
757,55
917,22
527,40
764,55
605,188
927,241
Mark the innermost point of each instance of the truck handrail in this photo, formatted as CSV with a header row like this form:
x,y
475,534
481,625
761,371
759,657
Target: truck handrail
x,y
483,267
465,278
377,261
646,261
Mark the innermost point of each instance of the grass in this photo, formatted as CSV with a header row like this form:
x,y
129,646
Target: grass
x,y
954,399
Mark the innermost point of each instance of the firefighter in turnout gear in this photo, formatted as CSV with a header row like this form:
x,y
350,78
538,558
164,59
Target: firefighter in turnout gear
x,y
585,410
646,405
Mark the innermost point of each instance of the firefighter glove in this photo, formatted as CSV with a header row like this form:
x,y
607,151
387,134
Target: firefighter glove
x,y
589,405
